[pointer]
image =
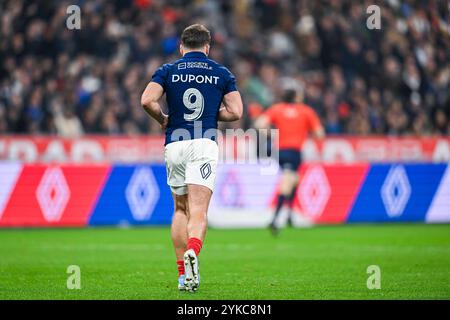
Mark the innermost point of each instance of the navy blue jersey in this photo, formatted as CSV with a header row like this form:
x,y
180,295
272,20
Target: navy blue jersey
x,y
194,87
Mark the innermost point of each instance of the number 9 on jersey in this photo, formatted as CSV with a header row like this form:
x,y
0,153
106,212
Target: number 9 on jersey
x,y
196,106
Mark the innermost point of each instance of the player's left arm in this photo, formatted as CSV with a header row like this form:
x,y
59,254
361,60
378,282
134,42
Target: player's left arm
x,y
149,101
232,108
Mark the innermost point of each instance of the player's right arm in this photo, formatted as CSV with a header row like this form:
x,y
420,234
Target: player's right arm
x,y
232,107
267,119
319,133
262,122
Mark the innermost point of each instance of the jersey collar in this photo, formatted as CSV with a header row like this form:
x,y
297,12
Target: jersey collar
x,y
195,54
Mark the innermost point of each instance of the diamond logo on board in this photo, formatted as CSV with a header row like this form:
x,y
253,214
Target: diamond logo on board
x,y
314,191
142,193
230,190
396,191
52,194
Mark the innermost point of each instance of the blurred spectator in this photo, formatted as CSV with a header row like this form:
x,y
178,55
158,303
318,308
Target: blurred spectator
x,y
66,123
71,82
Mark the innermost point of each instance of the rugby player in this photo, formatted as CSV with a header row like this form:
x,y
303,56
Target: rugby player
x,y
294,121
199,92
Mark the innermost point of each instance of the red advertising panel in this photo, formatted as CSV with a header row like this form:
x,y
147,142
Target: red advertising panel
x,y
95,149
326,193
378,149
54,195
88,149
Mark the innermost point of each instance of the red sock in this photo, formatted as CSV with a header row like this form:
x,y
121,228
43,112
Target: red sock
x,y
180,264
195,244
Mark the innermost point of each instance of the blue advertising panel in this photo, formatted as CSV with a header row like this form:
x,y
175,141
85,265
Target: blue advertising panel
x,y
396,192
134,195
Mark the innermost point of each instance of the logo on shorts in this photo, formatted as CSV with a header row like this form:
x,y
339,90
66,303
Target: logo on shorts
x,y
205,170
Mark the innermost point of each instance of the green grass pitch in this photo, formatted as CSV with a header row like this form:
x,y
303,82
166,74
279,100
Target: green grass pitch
x,y
328,262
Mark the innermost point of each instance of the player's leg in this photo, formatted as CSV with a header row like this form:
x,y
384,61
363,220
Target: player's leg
x,y
289,160
200,177
290,201
282,160
175,166
296,160
198,202
179,234
289,180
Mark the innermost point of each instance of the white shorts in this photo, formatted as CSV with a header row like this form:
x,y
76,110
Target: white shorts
x,y
191,162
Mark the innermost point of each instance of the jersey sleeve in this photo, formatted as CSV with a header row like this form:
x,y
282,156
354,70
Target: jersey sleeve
x,y
230,83
160,76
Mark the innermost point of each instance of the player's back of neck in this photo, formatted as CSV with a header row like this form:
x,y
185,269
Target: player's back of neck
x,y
194,51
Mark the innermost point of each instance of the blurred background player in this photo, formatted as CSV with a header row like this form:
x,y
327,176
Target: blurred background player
x,y
199,92
294,121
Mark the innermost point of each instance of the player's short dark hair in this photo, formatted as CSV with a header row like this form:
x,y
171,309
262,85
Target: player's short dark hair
x,y
289,95
195,36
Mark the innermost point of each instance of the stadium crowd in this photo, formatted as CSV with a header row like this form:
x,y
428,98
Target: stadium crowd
x,y
70,82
